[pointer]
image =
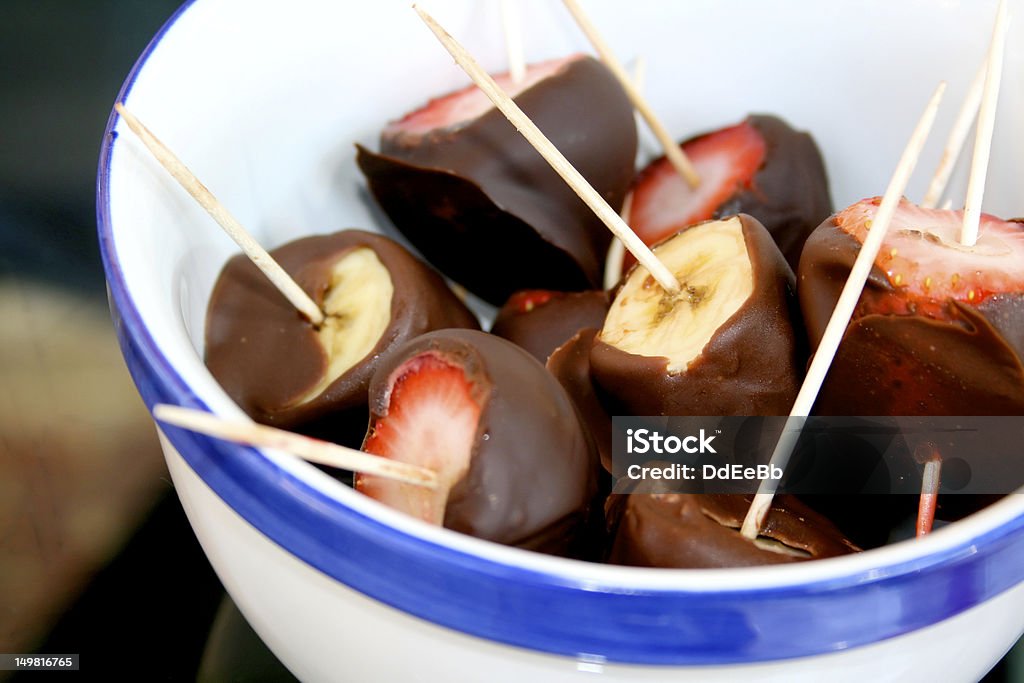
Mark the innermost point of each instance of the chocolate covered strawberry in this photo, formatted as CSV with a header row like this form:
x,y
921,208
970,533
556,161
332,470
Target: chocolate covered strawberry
x,y
483,206
761,167
939,329
515,467
542,320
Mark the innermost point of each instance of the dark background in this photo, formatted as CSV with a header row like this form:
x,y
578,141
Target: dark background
x,y
96,556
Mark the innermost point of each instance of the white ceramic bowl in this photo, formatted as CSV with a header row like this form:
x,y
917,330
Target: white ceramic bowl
x,y
264,100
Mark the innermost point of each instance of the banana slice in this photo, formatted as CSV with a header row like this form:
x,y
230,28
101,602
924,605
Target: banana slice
x,y
715,276
285,372
723,345
358,308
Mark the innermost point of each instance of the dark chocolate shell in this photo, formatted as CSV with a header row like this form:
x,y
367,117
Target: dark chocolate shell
x,y
547,325
905,365
751,366
684,530
570,364
266,356
531,478
909,364
484,207
790,192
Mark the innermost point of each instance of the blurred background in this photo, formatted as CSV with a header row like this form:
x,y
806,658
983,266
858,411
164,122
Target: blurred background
x,y
96,556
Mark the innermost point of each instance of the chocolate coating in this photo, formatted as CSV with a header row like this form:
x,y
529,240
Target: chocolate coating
x,y
548,325
483,206
789,193
570,364
907,364
751,366
267,356
530,480
702,531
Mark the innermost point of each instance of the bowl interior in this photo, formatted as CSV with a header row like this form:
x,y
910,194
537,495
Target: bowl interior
x,y
265,100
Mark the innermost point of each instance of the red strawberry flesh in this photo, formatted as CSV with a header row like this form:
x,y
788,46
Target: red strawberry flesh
x,y
526,300
431,420
462,106
927,266
726,161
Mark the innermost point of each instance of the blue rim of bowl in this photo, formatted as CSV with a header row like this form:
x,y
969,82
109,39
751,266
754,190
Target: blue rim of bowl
x,y
540,611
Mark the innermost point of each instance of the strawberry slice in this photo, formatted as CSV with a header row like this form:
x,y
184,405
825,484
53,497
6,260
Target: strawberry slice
x,y
450,111
431,419
663,203
927,266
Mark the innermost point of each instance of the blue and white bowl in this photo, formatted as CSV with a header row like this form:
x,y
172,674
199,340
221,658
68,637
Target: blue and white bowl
x,y
264,101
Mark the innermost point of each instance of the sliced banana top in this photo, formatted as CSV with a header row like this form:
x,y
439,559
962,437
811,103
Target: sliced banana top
x,y
358,309
716,278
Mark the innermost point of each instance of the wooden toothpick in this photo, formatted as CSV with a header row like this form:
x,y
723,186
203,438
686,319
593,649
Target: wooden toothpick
x,y
837,324
986,125
616,251
930,481
513,30
955,144
673,152
257,254
313,450
662,275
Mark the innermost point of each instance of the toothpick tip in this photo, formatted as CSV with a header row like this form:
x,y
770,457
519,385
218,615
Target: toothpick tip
x,y
313,450
165,412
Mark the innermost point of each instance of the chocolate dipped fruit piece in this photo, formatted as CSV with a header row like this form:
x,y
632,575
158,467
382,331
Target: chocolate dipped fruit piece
x,y
701,531
514,464
723,345
284,371
542,320
761,167
570,364
460,182
939,328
